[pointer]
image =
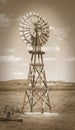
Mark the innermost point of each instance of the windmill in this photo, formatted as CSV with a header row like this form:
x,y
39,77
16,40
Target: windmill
x,y
34,31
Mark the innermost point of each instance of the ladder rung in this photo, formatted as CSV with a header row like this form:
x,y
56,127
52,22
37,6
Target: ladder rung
x,y
36,52
37,64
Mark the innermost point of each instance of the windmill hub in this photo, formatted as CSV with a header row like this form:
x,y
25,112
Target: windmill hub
x,y
37,27
35,32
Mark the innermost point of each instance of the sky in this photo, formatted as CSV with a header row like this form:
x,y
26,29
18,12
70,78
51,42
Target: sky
x,y
59,58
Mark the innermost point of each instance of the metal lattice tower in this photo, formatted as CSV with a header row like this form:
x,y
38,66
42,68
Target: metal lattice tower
x,y
35,32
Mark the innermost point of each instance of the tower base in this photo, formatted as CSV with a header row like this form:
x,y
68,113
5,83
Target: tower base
x,y
36,100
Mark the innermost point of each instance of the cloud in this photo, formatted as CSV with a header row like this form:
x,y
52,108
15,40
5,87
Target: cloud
x,y
18,73
52,28
52,48
25,64
5,20
9,58
19,18
8,50
61,33
50,59
70,59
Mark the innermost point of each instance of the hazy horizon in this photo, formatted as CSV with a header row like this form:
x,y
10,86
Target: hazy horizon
x,y
27,79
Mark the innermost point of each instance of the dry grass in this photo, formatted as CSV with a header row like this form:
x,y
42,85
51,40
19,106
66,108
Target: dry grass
x,y
62,102
62,122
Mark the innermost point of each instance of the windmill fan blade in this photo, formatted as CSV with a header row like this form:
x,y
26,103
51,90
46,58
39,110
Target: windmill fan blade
x,y
24,32
34,13
23,28
30,13
27,15
23,24
22,20
44,25
45,34
21,33
30,19
26,21
42,39
24,39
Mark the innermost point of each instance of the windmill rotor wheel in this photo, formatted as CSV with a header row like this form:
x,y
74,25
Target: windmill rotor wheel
x,y
31,25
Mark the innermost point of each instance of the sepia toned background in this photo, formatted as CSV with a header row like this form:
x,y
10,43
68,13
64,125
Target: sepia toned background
x,y
59,62
60,50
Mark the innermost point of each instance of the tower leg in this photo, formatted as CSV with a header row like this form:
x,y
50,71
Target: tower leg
x,y
31,100
48,98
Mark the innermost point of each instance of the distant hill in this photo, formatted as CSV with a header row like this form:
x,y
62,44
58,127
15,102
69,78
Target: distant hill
x,y
20,85
12,85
